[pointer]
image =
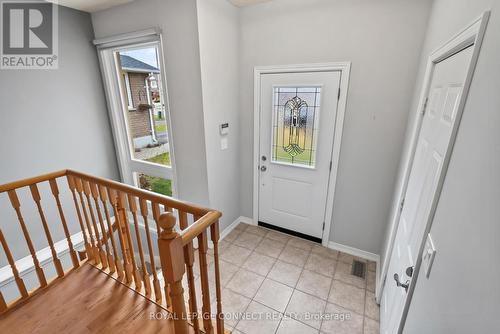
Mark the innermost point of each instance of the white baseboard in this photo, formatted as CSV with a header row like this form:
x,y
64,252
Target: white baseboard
x,y
25,265
354,251
240,219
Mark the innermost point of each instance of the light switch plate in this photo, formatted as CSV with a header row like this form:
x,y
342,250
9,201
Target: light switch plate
x,y
428,255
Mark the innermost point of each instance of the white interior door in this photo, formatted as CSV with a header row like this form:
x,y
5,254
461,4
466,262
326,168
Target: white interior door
x,y
443,99
297,123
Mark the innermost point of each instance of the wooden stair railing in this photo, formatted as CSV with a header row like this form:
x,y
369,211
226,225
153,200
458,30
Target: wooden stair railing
x,y
115,221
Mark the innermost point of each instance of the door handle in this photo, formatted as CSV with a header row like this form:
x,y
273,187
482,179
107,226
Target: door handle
x,y
263,168
404,285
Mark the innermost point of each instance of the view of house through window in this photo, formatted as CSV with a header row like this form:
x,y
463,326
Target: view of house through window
x,y
145,111
147,125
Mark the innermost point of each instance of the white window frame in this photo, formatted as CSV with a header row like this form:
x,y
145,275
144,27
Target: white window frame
x,y
128,165
129,92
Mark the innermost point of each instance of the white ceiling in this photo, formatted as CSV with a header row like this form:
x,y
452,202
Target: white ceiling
x,y
242,3
90,5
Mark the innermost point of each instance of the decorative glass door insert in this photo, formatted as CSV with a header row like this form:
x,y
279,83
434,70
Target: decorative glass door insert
x,y
295,125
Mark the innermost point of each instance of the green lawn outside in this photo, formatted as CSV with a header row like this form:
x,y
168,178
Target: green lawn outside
x,y
157,184
160,128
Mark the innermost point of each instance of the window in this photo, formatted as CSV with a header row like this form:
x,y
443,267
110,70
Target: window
x,y
295,125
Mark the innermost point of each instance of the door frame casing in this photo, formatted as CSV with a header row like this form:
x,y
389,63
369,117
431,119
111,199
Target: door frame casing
x,y
344,68
105,49
470,36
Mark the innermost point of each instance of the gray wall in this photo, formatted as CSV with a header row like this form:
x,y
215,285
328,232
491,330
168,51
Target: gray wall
x,y
383,39
52,120
178,21
218,27
462,294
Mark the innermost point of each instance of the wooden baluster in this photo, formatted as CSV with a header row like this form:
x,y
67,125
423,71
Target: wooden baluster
x,y
72,186
55,193
117,264
156,282
12,264
109,258
132,263
113,198
102,255
172,264
205,289
215,235
189,260
17,206
167,208
36,197
133,208
95,253
3,304
156,216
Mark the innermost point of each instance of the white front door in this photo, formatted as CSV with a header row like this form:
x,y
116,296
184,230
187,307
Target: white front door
x,y
443,99
297,123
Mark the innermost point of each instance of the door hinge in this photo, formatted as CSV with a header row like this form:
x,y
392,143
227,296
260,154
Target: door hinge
x,y
323,226
338,94
330,165
425,106
402,204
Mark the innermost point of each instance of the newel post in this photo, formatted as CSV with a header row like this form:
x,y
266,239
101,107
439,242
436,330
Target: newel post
x,y
172,265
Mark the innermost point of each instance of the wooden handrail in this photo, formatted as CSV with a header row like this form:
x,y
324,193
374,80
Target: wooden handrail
x,y
105,209
148,195
200,225
32,180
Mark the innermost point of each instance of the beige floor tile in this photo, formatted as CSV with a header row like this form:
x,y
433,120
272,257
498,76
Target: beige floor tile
x,y
232,235
274,295
372,310
260,231
324,251
372,266
233,305
291,326
285,273
314,284
277,236
347,296
371,326
241,227
258,263
245,283
306,308
263,320
341,321
300,243
199,293
270,247
370,281
235,254
294,255
321,264
226,269
247,240
343,273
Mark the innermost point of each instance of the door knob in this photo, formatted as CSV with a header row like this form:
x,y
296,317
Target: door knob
x,y
263,168
402,285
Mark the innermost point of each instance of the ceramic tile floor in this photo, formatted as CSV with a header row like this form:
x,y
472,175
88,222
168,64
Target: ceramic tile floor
x,y
289,283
